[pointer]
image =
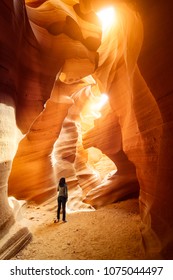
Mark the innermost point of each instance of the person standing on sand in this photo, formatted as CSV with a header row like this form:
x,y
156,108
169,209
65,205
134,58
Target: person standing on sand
x,y
62,199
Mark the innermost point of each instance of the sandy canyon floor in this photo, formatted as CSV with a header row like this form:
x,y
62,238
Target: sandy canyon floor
x,y
112,232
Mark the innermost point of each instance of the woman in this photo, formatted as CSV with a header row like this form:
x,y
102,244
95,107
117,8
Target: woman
x,y
62,199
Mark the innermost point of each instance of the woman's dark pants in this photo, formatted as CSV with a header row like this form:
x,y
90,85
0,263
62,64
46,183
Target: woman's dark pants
x,y
61,202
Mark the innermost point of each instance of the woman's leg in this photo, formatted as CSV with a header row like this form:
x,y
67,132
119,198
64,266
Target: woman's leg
x,y
59,208
64,208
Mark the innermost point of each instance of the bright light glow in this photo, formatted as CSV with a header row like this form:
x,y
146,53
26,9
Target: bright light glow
x,y
107,17
100,101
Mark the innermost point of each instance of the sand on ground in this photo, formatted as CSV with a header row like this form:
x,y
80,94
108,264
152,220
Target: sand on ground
x,y
109,233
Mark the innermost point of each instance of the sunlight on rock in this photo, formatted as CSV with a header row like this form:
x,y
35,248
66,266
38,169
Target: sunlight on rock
x,y
99,103
101,163
107,17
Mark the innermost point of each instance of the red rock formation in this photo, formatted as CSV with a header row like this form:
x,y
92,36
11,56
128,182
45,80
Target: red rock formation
x,y
108,139
70,158
13,235
135,133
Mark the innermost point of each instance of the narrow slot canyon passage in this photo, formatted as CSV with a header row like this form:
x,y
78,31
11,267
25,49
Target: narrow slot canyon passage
x,y
86,94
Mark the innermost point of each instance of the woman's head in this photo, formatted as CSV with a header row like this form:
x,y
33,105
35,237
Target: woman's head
x,y
62,181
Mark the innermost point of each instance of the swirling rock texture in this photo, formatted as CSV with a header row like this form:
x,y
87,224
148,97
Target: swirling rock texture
x,y
54,61
70,158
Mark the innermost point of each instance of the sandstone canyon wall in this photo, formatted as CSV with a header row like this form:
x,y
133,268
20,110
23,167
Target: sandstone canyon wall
x,y
49,49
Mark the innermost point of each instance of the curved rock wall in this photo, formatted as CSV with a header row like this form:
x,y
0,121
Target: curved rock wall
x,y
42,62
70,158
108,139
13,235
156,65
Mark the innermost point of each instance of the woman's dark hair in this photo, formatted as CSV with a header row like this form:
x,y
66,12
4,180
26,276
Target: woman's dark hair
x,y
62,182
